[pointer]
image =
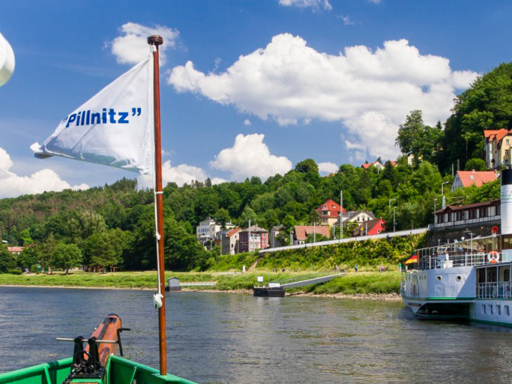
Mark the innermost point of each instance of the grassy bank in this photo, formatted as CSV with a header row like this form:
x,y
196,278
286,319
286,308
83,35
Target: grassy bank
x,y
351,283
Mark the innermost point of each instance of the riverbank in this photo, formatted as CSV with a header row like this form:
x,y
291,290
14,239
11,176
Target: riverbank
x,y
364,285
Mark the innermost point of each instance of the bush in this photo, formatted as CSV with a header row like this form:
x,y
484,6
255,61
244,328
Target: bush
x,y
14,272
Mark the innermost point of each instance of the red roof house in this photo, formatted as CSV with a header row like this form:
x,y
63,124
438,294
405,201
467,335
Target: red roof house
x,y
330,212
465,179
301,232
369,228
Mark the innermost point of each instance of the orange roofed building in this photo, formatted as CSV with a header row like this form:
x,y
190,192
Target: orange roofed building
x,y
330,212
497,148
465,179
301,233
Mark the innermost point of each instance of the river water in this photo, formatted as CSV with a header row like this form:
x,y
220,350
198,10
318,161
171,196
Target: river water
x,y
229,338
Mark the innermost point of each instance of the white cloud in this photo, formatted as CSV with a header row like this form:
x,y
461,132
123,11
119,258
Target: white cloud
x,y
180,175
374,1
12,185
369,92
327,168
247,122
132,46
218,180
315,4
249,157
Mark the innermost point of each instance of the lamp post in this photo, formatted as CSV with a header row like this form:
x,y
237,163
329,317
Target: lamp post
x,y
341,215
394,222
443,202
434,213
389,208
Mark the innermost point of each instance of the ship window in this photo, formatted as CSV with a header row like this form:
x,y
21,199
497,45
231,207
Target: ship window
x,y
498,310
459,278
507,310
490,309
439,278
506,275
483,309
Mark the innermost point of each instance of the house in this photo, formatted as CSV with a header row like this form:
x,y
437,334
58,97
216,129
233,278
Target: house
x,y
207,230
253,238
464,179
392,162
358,216
375,164
497,148
15,250
230,241
329,212
370,228
301,232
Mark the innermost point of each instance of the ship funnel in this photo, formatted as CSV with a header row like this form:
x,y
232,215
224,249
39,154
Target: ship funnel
x,y
506,202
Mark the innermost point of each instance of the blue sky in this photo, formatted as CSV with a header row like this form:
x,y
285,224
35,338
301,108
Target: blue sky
x,y
248,87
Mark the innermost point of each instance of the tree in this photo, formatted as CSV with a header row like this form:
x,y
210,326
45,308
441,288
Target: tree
x,y
105,248
416,138
475,164
7,261
66,256
487,104
29,257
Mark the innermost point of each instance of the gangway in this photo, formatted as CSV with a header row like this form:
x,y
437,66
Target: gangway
x,y
277,288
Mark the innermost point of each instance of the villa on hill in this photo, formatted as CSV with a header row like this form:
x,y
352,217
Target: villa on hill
x,y
498,148
464,179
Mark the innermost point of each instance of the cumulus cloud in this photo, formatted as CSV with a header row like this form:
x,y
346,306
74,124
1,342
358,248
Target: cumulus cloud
x,y
314,4
327,168
180,175
249,157
370,92
247,122
13,185
132,46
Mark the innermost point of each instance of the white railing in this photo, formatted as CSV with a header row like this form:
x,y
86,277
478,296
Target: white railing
x,y
451,261
494,290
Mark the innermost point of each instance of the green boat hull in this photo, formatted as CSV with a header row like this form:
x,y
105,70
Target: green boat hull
x,y
117,371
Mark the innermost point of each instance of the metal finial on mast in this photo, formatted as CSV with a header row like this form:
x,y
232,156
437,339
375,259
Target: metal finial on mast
x,y
155,40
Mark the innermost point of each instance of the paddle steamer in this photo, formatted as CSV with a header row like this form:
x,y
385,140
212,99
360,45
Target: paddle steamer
x,y
469,279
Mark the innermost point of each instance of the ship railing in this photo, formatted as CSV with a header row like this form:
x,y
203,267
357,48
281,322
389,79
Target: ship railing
x,y
452,260
494,290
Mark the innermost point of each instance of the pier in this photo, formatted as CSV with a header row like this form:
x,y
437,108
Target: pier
x,y
277,288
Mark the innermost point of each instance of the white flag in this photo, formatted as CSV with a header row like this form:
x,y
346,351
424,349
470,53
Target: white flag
x,y
113,128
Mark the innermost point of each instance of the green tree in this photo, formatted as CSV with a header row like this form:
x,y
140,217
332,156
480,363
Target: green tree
x,y
105,248
475,164
66,256
7,261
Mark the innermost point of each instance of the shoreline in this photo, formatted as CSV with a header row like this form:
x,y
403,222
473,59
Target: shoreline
x,y
357,296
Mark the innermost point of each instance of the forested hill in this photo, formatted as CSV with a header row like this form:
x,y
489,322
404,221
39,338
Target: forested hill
x,y
114,225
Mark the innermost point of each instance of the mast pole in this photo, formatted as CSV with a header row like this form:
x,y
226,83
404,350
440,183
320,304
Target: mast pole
x,y
156,41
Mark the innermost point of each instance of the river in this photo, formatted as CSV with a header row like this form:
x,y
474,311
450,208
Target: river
x,y
230,338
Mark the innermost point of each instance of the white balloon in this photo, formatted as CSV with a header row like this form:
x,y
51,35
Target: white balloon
x,y
6,61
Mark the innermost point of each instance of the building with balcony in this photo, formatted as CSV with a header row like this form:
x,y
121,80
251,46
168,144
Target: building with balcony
x,y
253,238
498,148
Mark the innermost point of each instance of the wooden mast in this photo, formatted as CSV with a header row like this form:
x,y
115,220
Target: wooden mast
x,y
156,41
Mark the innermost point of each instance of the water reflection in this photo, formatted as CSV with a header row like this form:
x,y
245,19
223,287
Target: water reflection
x,y
223,338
